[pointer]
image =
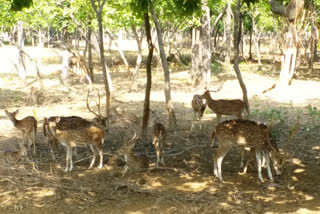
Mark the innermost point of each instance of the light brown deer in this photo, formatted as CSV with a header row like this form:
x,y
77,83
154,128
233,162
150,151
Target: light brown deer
x,y
77,134
246,134
27,126
133,161
63,124
159,135
224,107
198,108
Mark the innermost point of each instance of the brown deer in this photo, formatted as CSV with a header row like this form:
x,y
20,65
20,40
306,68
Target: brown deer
x,y
198,108
159,135
246,134
224,107
27,126
133,161
77,134
64,123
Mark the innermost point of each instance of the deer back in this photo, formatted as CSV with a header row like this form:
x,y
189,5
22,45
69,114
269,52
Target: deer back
x,y
227,107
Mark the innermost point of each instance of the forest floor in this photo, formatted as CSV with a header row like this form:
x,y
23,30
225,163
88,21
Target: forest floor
x,y
38,184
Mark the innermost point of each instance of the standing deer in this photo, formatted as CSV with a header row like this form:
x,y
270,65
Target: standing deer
x,y
224,107
159,140
246,134
133,161
77,134
198,108
27,126
63,124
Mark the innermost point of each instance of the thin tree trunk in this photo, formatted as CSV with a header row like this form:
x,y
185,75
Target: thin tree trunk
x,y
250,45
146,106
167,87
256,39
228,35
237,36
206,45
20,45
90,53
139,57
98,12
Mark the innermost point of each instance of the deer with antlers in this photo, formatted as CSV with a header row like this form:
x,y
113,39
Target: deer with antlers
x,y
224,107
133,161
246,134
27,126
198,108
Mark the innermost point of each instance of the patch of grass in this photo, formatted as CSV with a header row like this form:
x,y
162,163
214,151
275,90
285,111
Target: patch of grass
x,y
270,114
216,68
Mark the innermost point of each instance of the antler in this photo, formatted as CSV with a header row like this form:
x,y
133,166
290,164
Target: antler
x,y
99,115
220,87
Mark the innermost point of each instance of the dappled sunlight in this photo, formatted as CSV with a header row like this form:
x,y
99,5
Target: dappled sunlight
x,y
194,186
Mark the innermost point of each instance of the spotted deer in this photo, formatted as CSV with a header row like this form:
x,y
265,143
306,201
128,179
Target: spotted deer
x,y
246,134
75,134
198,108
64,123
224,107
27,126
133,161
159,135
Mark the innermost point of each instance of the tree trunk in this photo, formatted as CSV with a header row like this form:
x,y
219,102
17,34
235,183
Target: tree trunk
x,y
256,39
237,36
90,53
167,87
146,106
250,45
196,71
102,58
228,35
139,57
206,45
22,72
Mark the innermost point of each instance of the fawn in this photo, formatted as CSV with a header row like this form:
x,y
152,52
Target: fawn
x,y
74,133
225,107
198,108
246,134
27,126
133,161
64,123
159,133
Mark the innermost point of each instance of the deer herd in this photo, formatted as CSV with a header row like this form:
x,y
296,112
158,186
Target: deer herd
x,y
251,137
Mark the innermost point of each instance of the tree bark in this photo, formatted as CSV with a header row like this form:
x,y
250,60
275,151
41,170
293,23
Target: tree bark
x,y
146,106
228,35
139,57
236,56
20,45
98,12
196,53
167,87
206,45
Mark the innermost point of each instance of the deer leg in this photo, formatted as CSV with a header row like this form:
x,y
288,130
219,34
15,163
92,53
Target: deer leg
x,y
258,157
68,159
199,115
162,152
219,155
100,151
156,145
94,150
34,141
267,159
193,120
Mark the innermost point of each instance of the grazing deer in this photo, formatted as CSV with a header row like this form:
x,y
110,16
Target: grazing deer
x,y
224,107
133,161
198,108
159,133
74,135
27,126
64,123
246,134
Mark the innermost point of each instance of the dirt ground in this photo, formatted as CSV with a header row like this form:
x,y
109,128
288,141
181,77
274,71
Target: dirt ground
x,y
38,184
